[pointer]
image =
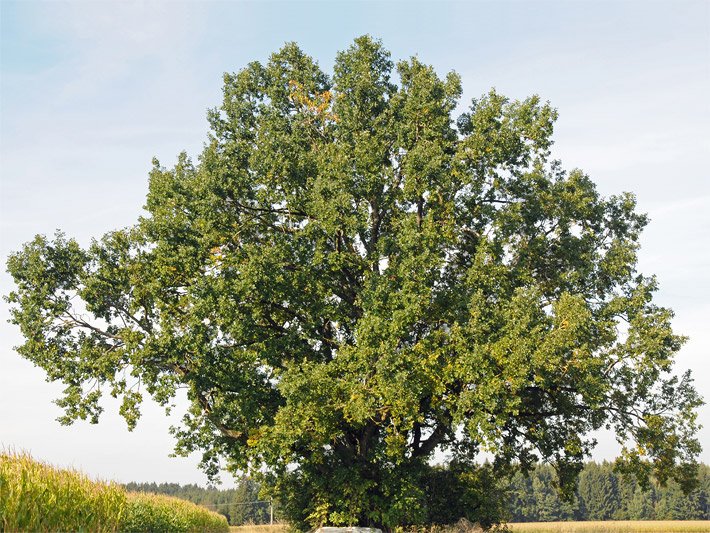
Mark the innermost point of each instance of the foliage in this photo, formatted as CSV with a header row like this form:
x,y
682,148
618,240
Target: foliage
x,y
604,494
480,498
248,492
349,280
37,497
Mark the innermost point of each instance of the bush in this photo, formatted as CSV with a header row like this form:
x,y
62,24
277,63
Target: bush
x,y
464,494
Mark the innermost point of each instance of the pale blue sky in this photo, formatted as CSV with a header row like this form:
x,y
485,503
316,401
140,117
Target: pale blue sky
x,y
91,91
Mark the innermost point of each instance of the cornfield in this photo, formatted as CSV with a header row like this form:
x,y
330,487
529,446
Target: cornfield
x,y
164,514
37,497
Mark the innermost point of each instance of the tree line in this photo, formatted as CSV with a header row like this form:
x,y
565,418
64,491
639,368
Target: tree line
x,y
604,494
601,494
240,505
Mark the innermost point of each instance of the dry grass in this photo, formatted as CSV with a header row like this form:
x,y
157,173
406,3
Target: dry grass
x,y
638,526
252,528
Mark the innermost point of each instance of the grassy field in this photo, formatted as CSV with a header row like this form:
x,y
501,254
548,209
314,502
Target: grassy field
x,y
647,526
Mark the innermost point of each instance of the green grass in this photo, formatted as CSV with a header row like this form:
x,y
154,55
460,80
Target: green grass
x,y
35,496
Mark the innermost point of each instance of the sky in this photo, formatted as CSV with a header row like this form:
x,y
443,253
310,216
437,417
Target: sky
x,y
90,92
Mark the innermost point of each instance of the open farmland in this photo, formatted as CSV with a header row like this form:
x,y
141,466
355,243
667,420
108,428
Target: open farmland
x,y
612,526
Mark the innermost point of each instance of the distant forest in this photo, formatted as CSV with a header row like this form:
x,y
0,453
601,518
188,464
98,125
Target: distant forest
x,y
602,494
241,505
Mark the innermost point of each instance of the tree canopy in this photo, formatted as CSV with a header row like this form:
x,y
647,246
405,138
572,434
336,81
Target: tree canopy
x,y
349,280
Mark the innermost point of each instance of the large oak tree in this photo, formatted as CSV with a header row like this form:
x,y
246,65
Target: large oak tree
x,y
349,281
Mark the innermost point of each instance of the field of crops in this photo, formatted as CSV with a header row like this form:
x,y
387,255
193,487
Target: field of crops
x,y
659,526
640,526
37,497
